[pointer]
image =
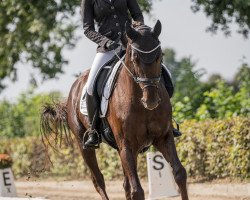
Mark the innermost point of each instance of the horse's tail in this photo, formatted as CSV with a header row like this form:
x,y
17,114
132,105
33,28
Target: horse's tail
x,y
54,125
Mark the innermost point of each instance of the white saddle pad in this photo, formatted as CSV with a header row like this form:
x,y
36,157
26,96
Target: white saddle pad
x,y
106,93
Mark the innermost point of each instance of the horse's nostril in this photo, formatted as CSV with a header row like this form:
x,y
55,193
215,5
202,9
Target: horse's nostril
x,y
144,103
159,100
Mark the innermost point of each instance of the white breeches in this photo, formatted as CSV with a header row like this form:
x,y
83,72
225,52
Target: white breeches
x,y
99,60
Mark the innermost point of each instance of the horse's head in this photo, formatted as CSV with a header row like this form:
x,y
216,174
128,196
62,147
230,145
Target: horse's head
x,y
145,55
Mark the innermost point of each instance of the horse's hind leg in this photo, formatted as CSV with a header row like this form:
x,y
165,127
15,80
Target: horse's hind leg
x,y
167,147
96,175
89,157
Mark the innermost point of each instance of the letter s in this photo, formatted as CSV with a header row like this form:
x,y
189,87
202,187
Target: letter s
x,y
160,164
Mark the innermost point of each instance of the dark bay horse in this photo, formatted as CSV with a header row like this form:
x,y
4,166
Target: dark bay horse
x,y
139,114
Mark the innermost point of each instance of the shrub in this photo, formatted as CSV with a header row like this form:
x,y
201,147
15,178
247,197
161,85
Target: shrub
x,y
216,148
5,161
21,118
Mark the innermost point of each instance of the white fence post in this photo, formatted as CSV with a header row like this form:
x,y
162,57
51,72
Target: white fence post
x,y
7,187
160,177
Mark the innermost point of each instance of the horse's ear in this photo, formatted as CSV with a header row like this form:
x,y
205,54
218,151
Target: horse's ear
x,y
131,32
157,29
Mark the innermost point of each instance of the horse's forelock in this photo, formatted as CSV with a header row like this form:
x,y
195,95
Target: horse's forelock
x,y
143,30
146,41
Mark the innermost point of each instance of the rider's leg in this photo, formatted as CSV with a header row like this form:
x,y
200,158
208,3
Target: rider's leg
x,y
99,60
170,87
92,102
176,132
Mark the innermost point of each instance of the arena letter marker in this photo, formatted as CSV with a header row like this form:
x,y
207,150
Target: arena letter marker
x,y
160,177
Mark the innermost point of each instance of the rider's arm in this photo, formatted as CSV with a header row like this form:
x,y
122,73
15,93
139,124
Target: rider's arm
x,y
88,24
135,11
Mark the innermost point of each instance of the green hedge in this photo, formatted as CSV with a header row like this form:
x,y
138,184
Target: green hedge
x,y
211,149
216,148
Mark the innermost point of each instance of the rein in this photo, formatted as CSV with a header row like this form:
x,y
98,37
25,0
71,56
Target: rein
x,y
147,82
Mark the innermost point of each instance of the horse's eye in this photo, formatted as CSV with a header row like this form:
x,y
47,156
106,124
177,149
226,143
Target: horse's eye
x,y
135,56
159,57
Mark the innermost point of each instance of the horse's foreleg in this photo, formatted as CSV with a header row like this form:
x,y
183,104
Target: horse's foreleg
x,y
167,147
128,160
126,186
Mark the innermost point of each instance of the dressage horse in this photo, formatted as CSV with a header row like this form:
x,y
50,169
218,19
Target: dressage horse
x,y
139,113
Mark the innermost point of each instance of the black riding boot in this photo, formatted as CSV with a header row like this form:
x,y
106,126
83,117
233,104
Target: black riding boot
x,y
93,140
176,132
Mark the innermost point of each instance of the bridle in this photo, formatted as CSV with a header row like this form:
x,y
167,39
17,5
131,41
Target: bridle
x,y
146,82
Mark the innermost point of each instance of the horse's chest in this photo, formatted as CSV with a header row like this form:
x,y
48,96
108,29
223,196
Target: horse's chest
x,y
156,126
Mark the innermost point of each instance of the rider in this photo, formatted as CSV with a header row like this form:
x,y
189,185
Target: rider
x,y
110,17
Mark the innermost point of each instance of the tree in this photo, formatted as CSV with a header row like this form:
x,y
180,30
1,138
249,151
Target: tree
x,y
216,98
242,76
189,89
214,78
225,12
185,77
36,32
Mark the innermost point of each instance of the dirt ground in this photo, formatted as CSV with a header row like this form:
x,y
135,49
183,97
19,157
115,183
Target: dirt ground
x,y
84,190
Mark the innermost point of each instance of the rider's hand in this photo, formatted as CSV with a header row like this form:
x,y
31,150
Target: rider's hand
x,y
137,23
111,45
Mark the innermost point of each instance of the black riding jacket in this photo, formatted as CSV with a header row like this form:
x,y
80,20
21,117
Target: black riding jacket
x,y
110,18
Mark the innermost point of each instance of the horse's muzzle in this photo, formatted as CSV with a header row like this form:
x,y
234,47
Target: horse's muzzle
x,y
150,99
151,106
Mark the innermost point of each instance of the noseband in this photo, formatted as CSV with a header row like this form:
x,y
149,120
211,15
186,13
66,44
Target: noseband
x,y
147,82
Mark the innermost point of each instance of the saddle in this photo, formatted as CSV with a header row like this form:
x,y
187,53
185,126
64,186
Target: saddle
x,y
103,78
107,78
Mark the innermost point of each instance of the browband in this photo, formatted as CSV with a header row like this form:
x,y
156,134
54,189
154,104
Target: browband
x,y
146,51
